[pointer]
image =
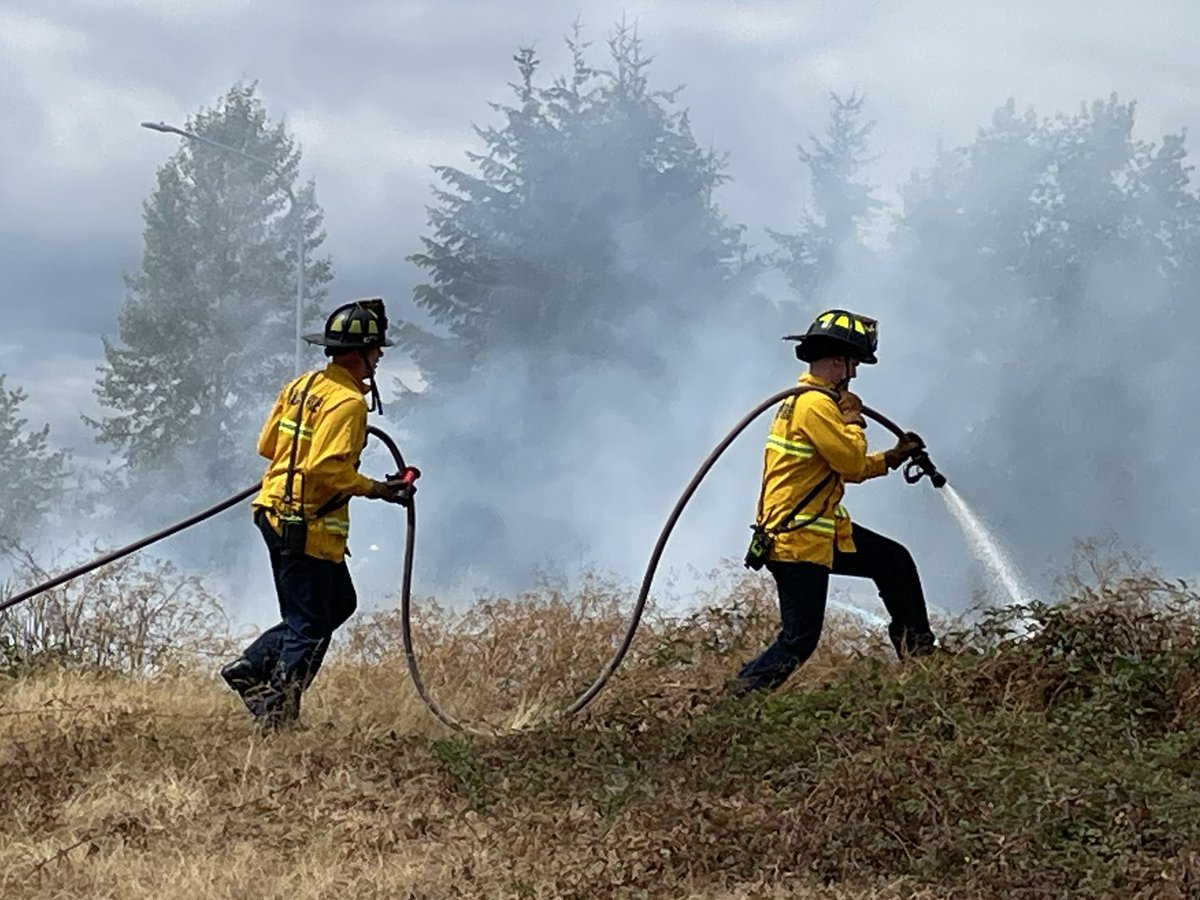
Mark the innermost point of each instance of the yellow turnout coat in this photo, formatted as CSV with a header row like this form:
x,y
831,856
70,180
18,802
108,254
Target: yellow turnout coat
x,y
809,443
329,435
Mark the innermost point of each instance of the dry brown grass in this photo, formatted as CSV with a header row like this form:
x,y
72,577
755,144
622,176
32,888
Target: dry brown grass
x,y
512,663
1063,765
135,615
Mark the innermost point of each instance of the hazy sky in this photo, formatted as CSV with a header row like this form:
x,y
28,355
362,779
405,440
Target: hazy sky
x,y
377,92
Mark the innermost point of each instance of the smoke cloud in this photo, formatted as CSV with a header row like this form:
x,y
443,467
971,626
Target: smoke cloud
x,y
1058,415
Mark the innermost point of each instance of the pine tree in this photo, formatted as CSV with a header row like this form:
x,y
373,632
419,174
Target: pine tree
x,y
207,329
591,207
571,271
843,203
32,474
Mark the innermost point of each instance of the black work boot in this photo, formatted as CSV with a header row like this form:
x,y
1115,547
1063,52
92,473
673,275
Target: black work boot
x,y
242,677
276,710
276,703
739,687
911,642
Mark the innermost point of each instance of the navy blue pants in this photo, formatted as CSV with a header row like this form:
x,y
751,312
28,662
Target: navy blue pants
x,y
802,590
316,596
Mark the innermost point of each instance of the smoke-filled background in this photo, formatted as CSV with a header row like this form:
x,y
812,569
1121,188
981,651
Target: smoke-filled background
x,y
592,225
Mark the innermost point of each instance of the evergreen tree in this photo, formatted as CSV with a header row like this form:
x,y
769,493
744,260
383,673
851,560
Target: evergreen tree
x,y
591,209
830,237
207,330
32,474
1053,221
572,269
1056,258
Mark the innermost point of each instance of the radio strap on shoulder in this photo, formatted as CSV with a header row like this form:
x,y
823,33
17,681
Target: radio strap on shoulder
x,y
832,395
763,539
293,527
291,472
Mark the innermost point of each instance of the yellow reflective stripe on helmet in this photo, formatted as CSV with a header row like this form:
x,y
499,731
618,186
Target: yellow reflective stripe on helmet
x,y
288,426
792,448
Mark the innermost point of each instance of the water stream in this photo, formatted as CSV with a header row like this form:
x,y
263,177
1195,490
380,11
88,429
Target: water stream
x,y
987,548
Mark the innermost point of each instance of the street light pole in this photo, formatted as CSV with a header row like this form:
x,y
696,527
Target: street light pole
x,y
293,209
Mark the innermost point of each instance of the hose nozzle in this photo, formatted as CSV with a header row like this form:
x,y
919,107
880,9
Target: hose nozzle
x,y
920,466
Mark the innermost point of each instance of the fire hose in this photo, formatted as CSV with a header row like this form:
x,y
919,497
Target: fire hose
x,y
157,536
918,466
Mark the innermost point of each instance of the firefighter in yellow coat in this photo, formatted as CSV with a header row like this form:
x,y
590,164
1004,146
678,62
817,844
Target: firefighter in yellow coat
x,y
802,532
312,439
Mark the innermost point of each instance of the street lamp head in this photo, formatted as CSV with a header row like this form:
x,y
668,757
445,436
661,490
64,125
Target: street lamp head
x,y
159,126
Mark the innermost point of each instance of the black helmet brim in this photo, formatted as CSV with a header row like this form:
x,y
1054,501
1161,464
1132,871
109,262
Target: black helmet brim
x,y
812,347
319,340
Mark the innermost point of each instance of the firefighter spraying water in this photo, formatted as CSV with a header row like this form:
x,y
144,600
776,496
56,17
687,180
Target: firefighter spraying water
x,y
802,533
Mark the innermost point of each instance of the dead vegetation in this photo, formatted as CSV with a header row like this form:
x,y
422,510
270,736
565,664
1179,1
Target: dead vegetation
x,y
1057,758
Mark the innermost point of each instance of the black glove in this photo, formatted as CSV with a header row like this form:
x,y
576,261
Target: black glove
x,y
393,491
906,448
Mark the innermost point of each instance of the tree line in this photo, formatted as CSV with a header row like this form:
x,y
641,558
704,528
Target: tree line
x,y
586,235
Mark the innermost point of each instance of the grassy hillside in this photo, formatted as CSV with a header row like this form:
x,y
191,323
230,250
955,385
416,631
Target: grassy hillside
x,y
1063,764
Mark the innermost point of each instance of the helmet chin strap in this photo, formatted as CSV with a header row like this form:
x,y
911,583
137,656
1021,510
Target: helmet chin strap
x,y
376,404
844,384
